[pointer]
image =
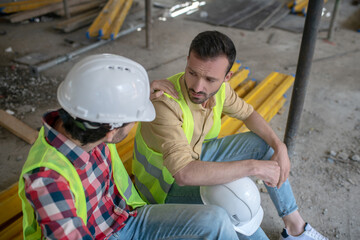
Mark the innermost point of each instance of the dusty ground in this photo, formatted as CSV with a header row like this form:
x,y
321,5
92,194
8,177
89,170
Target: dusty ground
x,y
325,169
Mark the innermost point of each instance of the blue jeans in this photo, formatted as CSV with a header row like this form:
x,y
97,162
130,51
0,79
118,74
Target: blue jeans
x,y
234,148
177,221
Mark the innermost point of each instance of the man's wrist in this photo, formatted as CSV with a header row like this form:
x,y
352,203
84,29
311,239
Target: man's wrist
x,y
279,145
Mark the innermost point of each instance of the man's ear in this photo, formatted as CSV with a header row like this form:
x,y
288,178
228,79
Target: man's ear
x,y
228,76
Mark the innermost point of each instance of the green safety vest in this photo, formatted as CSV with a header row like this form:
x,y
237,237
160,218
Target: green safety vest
x,y
43,154
152,179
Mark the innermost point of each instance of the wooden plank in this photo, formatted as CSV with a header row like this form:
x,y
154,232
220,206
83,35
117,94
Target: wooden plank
x,y
17,127
80,8
27,6
21,16
17,3
79,21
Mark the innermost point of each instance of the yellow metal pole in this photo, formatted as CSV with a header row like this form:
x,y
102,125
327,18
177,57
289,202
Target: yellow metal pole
x,y
93,30
118,21
245,88
236,66
239,77
112,12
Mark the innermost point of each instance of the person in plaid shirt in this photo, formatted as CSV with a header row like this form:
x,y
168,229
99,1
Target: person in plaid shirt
x,y
73,184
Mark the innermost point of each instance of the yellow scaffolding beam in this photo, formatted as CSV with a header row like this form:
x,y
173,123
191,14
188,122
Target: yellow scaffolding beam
x,y
267,89
114,29
239,77
104,18
236,66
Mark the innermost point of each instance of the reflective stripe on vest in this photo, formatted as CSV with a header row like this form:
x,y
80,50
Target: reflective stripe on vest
x,y
152,178
44,155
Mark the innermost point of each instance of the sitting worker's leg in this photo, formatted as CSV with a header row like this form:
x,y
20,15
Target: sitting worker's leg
x,y
250,146
178,221
258,235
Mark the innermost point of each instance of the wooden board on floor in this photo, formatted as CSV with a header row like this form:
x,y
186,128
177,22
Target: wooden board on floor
x,y
17,127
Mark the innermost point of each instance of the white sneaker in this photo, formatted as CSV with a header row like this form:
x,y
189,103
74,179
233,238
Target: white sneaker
x,y
308,234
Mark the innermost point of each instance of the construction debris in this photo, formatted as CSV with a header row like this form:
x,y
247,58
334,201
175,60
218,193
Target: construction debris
x,y
20,91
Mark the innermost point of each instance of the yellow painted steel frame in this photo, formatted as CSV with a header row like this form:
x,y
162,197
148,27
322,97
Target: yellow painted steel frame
x,y
10,206
245,87
236,66
118,21
239,77
110,10
269,115
257,97
299,6
113,11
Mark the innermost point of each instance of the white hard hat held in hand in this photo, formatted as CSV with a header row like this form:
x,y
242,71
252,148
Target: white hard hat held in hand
x,y
107,88
241,200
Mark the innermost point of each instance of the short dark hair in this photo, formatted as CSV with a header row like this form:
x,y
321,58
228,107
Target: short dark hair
x,y
210,44
83,130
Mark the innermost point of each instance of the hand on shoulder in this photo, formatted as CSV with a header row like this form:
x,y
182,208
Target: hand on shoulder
x,y
158,87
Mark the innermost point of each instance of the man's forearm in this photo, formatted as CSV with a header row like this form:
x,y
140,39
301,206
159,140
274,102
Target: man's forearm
x,y
259,126
199,173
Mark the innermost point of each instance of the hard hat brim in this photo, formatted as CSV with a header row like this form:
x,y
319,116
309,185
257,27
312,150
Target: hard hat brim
x,y
149,113
250,227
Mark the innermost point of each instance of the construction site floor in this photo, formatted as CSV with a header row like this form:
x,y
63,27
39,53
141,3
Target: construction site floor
x,y
325,171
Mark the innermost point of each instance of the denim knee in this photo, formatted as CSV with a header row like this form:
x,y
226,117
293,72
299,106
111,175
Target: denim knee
x,y
268,154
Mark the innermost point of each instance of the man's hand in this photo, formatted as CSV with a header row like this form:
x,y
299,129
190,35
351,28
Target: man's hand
x,y
158,87
268,171
282,158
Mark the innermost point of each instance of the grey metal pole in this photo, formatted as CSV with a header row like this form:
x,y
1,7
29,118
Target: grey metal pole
x,y
333,18
37,69
306,54
148,6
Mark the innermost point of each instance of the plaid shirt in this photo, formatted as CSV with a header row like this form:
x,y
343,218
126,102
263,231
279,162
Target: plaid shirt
x,y
50,195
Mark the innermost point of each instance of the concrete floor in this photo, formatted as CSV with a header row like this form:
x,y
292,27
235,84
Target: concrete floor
x,y
327,190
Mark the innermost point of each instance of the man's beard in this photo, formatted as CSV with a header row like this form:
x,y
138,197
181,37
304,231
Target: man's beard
x,y
197,100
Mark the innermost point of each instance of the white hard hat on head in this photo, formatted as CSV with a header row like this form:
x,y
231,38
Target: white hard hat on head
x,y
241,200
107,88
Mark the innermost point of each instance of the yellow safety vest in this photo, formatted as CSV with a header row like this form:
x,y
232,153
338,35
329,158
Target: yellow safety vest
x,y
43,154
152,179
